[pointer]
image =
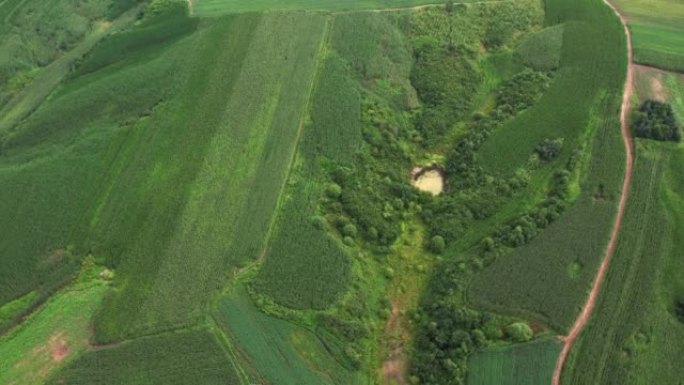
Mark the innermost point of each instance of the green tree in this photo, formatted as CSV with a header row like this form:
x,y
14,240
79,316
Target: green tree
x,y
519,332
437,244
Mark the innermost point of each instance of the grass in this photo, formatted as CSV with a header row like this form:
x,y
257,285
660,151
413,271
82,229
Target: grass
x,y
51,337
208,8
281,352
658,31
631,338
182,358
582,106
530,363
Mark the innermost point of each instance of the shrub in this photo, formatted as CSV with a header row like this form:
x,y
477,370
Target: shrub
x,y
519,332
548,149
437,244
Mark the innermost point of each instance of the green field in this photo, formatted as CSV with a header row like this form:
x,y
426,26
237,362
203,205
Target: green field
x,y
244,170
631,338
182,358
279,351
658,31
547,279
204,8
530,364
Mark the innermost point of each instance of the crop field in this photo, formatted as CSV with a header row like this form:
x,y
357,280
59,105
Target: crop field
x,y
204,8
531,364
253,146
193,357
630,340
229,192
281,352
658,31
547,279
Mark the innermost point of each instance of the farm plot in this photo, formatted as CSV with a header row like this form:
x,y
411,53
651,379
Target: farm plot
x,y
530,364
54,164
658,31
280,352
192,357
547,279
633,336
206,8
227,142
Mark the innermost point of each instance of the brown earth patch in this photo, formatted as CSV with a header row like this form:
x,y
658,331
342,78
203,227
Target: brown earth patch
x,y
394,367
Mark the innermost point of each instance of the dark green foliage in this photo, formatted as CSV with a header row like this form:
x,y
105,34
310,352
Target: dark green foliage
x,y
155,30
117,7
182,358
679,309
521,92
33,35
656,120
437,244
549,149
445,81
447,332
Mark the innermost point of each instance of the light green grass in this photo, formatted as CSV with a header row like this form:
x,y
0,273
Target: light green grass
x,y
27,351
205,8
530,364
658,31
675,87
281,352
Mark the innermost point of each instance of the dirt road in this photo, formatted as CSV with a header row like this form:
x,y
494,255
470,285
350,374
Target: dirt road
x,y
588,308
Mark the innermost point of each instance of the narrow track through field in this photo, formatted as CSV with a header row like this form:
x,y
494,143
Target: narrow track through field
x,y
588,309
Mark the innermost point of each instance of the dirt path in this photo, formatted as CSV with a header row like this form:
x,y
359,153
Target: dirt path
x,y
589,306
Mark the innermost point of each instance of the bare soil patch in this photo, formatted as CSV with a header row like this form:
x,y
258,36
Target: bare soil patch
x,y
428,179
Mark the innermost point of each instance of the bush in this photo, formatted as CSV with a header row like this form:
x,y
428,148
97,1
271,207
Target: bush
x,y
350,230
437,244
549,149
519,332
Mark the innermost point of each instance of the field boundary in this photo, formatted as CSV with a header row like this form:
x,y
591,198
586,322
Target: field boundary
x,y
588,308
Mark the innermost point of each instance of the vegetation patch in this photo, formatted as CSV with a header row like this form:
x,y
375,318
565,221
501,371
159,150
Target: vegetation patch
x,y
656,120
531,363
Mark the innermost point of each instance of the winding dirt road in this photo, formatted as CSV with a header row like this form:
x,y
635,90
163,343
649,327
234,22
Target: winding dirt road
x,y
588,308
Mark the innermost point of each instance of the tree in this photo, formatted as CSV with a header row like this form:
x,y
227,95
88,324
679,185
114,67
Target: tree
x,y
437,244
549,148
519,332
350,230
449,7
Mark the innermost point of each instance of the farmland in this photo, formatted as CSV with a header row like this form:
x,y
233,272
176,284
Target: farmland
x,y
206,8
630,339
557,268
220,191
658,32
530,363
